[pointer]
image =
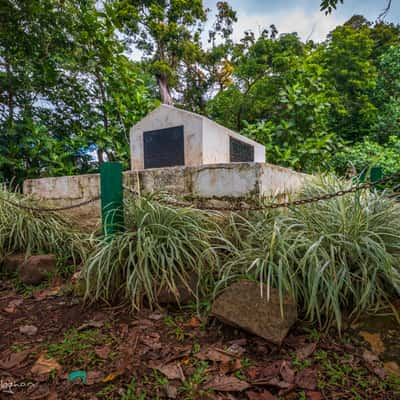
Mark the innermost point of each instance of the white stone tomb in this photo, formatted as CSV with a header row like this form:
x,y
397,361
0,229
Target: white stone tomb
x,y
169,136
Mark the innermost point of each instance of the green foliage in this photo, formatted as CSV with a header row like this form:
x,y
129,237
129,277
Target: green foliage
x,y
167,32
334,257
262,68
66,89
298,137
161,247
303,101
30,232
387,96
329,5
351,76
363,155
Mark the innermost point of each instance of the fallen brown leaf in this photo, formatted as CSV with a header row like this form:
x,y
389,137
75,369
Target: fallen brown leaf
x,y
194,322
103,352
90,324
52,395
38,392
392,368
252,373
181,352
226,384
12,306
264,395
44,365
142,323
306,379
93,377
152,340
43,294
306,351
156,316
171,391
374,341
295,341
213,354
266,371
370,357
380,372
230,366
311,395
172,371
287,373
112,376
274,382
9,360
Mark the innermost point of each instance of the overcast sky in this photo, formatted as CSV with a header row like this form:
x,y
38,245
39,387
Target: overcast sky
x,y
302,16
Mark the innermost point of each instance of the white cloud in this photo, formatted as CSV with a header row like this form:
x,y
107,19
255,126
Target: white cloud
x,y
313,26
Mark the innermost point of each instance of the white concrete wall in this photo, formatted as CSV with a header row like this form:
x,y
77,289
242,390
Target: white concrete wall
x,y
205,141
275,180
225,180
232,180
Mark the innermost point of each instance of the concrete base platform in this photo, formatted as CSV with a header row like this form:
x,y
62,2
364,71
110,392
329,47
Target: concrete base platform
x,y
212,183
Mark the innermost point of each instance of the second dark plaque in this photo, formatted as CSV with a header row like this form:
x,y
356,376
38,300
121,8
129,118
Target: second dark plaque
x,y
240,151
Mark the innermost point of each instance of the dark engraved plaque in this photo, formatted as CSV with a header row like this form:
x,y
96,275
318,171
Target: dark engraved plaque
x,y
164,147
240,151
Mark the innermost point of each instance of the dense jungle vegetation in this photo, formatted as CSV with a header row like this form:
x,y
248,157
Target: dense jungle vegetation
x,y
71,88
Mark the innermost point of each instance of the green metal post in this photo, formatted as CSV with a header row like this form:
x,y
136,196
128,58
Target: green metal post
x,y
112,197
376,173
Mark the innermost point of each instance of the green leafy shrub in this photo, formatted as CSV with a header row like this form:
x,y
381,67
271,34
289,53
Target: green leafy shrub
x,y
32,232
334,257
160,247
364,154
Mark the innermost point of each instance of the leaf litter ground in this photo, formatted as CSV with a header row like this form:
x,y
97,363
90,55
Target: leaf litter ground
x,y
52,347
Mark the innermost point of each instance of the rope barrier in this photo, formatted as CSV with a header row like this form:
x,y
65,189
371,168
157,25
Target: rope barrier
x,y
286,204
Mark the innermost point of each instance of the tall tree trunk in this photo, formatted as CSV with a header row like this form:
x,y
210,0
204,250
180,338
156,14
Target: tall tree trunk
x,y
100,155
10,100
103,100
165,93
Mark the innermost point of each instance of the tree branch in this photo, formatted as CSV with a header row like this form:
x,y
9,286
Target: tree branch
x,y
386,10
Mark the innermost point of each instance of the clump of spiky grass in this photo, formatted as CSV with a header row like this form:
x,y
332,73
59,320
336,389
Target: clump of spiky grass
x,y
160,247
32,232
353,251
335,257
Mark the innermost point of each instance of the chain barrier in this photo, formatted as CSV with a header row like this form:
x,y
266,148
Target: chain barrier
x,y
50,209
285,204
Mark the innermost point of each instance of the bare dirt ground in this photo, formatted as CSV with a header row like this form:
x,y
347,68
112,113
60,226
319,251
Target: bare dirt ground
x,y
54,347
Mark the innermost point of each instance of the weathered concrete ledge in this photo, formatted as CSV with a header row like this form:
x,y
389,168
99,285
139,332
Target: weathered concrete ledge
x,y
214,182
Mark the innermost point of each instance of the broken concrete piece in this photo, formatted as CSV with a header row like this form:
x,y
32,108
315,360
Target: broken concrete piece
x,y
242,305
12,262
37,268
